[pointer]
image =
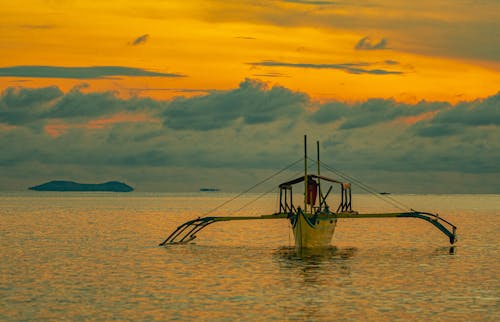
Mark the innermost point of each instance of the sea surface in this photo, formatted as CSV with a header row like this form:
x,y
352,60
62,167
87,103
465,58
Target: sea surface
x,y
95,256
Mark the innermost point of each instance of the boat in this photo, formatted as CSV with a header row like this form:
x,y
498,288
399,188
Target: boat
x,y
313,221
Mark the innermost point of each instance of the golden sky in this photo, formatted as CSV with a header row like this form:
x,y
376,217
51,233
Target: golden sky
x,y
430,50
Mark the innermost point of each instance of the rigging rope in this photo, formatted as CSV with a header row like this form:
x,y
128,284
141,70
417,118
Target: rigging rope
x,y
254,186
367,188
363,186
269,191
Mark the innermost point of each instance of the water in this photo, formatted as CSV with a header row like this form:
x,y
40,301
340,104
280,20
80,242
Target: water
x,y
94,256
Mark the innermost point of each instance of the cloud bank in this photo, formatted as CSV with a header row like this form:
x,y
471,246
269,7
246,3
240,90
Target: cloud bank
x,y
252,103
237,136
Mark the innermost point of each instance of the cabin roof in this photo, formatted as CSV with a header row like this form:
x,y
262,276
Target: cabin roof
x,y
309,176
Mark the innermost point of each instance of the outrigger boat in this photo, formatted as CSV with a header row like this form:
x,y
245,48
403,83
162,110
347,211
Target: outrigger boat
x,y
314,224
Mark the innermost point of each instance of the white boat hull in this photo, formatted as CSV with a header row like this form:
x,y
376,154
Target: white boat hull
x,y
313,231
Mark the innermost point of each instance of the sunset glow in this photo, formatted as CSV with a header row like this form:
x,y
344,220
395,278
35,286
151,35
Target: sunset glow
x,y
216,44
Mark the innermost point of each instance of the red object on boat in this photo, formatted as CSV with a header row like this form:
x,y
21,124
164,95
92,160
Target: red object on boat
x,y
312,192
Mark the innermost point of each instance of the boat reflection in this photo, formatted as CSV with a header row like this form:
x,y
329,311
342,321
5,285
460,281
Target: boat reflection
x,y
321,254
445,250
306,272
309,262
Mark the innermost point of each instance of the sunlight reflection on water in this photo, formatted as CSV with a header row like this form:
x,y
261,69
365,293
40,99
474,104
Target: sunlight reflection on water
x,y
95,256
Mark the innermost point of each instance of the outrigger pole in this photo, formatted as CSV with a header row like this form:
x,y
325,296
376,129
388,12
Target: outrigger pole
x,y
318,217
188,230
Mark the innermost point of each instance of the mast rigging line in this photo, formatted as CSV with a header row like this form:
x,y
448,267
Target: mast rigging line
x,y
252,187
367,188
271,190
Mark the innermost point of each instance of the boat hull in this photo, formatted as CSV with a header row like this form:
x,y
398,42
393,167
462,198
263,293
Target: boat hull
x,y
312,231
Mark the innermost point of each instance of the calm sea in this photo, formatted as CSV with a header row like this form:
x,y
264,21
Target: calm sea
x,y
94,256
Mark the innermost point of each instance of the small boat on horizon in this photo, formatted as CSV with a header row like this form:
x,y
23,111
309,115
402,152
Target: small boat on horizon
x,y
209,189
313,221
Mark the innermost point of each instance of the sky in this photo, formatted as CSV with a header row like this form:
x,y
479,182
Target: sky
x,y
178,95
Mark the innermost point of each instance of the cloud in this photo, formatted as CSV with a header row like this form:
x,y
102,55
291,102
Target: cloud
x,y
452,120
252,103
477,113
93,72
436,130
23,105
76,104
26,105
374,111
365,43
330,112
370,112
140,40
422,27
351,68
236,136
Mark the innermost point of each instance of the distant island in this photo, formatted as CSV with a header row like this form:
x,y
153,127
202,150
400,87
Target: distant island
x,y
209,189
113,186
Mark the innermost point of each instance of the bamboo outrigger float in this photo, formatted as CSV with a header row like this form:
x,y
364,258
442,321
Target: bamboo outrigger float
x,y
314,225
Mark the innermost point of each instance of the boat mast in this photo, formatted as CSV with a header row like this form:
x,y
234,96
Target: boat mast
x,y
305,173
319,174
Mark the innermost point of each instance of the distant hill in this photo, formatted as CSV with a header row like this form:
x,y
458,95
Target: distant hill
x,y
114,186
209,189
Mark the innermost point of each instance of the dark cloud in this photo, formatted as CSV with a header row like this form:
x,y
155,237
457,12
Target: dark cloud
x,y
370,112
351,68
76,104
140,40
330,112
23,105
254,129
480,112
366,43
252,102
452,120
435,130
374,111
92,72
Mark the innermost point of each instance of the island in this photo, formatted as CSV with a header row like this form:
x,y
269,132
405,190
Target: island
x,y
113,186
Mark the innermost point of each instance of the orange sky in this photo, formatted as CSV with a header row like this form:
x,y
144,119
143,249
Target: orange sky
x,y
440,50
